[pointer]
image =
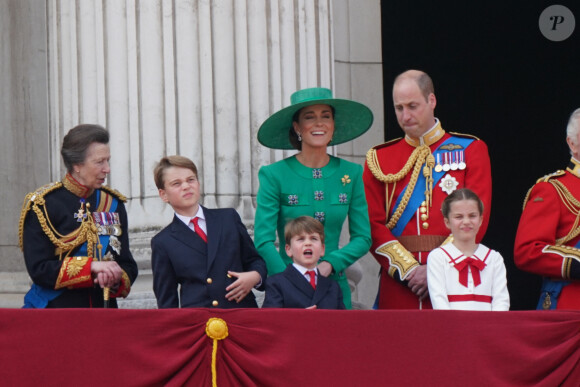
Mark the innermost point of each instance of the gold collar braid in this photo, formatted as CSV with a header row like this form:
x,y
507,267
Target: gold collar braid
x,y
421,155
429,138
574,167
72,184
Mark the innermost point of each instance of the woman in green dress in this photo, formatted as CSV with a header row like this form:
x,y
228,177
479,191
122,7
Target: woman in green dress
x,y
312,182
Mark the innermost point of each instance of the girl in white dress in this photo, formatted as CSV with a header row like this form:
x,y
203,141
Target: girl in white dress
x,y
462,274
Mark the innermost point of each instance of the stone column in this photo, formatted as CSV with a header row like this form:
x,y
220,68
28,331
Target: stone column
x,y
25,147
189,77
358,70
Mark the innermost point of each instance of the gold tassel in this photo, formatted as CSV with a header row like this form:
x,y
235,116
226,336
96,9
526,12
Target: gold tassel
x,y
428,173
216,329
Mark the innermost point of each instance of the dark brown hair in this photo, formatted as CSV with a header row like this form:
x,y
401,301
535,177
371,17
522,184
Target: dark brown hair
x,y
460,194
168,162
293,136
77,141
303,224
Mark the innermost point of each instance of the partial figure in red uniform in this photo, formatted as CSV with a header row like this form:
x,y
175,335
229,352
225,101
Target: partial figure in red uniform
x,y
548,237
406,181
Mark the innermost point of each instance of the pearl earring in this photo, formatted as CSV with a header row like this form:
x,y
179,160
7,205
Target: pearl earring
x,y
299,137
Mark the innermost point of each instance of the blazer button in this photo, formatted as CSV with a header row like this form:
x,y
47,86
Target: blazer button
x,y
215,303
209,280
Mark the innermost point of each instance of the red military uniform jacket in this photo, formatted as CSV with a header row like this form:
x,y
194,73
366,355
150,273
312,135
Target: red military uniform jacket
x,y
425,230
549,231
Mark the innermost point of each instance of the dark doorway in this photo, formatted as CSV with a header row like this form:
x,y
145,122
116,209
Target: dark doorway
x,y
496,77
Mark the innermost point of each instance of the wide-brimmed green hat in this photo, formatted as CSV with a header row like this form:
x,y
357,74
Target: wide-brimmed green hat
x,y
351,119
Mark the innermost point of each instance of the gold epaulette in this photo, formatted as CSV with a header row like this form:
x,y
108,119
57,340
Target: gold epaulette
x,y
464,135
543,179
36,197
114,192
387,143
558,173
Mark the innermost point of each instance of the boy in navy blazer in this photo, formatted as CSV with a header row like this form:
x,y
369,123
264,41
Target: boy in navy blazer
x,y
300,285
205,253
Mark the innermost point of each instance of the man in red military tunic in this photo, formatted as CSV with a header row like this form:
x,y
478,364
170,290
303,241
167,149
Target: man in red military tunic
x,y
548,237
406,180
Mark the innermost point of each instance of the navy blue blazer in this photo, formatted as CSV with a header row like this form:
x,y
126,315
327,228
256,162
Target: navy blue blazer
x,y
181,259
290,289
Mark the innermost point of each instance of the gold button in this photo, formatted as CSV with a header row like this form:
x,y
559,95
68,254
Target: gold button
x,y
215,303
209,280
424,217
422,210
424,204
425,225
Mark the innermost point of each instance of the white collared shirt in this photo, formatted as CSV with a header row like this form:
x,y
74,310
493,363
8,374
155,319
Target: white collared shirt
x,y
303,271
187,220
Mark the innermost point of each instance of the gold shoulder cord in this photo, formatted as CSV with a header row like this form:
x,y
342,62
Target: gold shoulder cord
x,y
421,155
28,200
573,205
87,230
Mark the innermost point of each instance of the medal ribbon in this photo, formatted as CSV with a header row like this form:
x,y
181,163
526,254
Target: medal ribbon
x,y
418,195
105,203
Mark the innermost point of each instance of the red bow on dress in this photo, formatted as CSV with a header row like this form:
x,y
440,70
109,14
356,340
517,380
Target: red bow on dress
x,y
463,267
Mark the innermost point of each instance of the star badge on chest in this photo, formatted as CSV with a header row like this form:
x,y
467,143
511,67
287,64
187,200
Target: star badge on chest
x,y
448,184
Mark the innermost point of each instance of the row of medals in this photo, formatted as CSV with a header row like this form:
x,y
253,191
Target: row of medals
x,y
452,161
107,223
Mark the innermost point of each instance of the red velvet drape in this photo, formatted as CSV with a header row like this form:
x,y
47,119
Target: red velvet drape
x,y
269,347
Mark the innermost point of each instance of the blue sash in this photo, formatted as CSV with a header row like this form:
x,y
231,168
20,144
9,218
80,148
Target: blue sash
x,y
417,197
551,288
39,296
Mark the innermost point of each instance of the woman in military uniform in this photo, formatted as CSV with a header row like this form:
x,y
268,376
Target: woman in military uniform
x,y
73,233
312,182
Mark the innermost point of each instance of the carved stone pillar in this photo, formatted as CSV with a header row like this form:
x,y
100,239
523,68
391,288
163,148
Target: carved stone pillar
x,y
186,77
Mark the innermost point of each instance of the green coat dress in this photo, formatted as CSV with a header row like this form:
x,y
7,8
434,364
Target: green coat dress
x,y
288,190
